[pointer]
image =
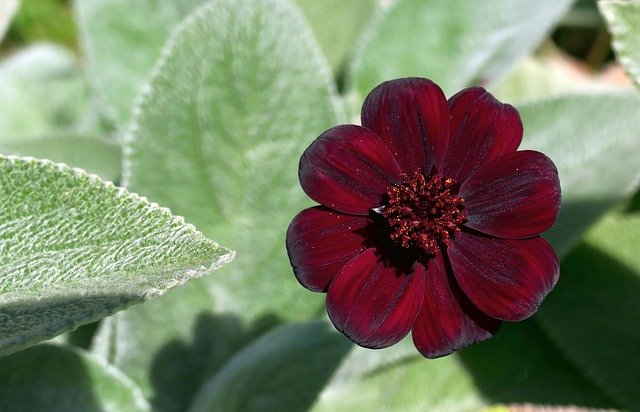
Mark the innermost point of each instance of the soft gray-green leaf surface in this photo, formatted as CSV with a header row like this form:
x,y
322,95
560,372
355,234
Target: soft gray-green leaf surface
x,y
74,249
41,91
170,363
337,24
217,137
623,19
122,40
57,378
594,312
455,43
96,155
235,117
272,373
47,112
284,370
594,140
398,379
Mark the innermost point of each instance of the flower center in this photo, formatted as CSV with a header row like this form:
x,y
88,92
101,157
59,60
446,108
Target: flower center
x,y
424,212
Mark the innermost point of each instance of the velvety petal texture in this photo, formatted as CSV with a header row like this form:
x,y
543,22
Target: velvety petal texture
x,y
320,241
481,128
375,304
412,117
430,219
507,279
513,196
348,168
447,320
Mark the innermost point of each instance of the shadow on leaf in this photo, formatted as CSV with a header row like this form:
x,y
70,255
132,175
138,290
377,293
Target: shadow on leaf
x,y
576,217
520,365
594,314
179,368
32,319
46,378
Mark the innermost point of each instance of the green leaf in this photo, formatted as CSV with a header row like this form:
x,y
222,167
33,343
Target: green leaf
x,y
337,24
56,378
74,249
398,379
521,365
296,366
594,141
8,9
46,112
96,155
41,90
455,43
170,364
594,312
122,40
549,74
623,19
283,370
235,117
529,370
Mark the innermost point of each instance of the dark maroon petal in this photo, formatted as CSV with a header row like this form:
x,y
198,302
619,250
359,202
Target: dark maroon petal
x,y
481,128
320,241
513,196
412,117
448,321
505,278
373,303
348,168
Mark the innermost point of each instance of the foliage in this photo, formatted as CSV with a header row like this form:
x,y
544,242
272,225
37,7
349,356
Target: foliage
x,y
205,107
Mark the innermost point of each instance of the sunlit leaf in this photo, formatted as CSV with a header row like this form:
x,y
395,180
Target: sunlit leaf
x,y
74,249
122,40
594,141
217,137
455,43
96,155
337,24
623,19
41,91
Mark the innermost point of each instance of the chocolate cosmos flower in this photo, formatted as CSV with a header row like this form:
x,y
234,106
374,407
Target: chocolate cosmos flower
x,y
429,219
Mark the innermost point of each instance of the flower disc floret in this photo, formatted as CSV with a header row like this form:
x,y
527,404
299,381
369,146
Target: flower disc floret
x,y
424,212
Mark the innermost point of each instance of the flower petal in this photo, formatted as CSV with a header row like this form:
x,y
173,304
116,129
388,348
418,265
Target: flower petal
x,y
448,321
481,128
513,196
320,241
374,304
412,117
348,168
506,279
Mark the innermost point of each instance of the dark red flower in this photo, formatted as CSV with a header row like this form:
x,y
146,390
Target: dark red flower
x,y
429,219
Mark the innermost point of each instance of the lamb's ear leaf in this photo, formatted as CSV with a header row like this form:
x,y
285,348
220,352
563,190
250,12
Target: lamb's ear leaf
x,y
60,378
122,40
623,19
594,311
456,43
217,137
75,249
594,140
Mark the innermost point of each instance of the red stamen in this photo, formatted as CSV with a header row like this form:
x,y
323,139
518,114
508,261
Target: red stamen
x,y
424,213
